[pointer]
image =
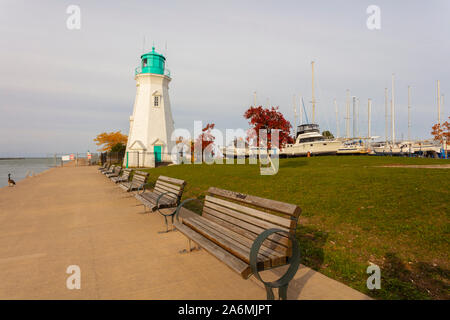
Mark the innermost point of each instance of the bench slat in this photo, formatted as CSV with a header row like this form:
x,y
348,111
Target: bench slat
x,y
151,196
253,212
242,217
275,257
172,180
169,187
170,194
275,241
282,207
236,249
227,258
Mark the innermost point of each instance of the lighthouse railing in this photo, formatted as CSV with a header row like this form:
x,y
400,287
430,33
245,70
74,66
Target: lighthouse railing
x,y
138,70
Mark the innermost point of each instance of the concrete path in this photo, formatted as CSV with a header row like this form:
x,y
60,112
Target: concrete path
x,y
76,216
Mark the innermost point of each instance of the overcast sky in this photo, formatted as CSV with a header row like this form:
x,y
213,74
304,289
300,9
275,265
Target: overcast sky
x,y
59,88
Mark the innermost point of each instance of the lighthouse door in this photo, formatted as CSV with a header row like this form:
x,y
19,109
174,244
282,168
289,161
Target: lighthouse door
x,y
157,151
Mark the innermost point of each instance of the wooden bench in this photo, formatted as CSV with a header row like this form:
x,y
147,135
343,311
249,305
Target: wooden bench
x,y
103,166
166,194
110,170
137,182
115,173
123,177
247,233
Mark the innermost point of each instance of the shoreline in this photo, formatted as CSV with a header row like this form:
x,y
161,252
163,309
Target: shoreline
x,y
27,178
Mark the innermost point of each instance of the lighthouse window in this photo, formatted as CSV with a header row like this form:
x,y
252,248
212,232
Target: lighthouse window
x,y
156,101
144,62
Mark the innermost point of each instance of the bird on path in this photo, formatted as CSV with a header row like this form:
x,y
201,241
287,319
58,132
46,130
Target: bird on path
x,y
11,182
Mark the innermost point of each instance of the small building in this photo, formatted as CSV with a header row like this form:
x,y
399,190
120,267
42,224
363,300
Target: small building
x,y
151,124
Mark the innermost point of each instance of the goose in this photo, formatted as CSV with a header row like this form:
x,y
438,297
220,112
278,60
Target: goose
x,y
11,182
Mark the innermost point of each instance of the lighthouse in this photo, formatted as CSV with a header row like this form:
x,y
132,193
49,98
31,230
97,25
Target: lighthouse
x,y
151,123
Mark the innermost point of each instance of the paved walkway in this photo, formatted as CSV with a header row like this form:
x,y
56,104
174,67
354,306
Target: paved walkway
x,y
420,166
75,216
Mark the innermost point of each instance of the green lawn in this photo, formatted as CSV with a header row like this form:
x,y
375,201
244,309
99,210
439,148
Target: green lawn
x,y
354,212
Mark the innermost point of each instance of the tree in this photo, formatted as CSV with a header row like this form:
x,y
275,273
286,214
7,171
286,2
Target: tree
x,y
119,147
204,140
269,119
441,132
108,140
327,134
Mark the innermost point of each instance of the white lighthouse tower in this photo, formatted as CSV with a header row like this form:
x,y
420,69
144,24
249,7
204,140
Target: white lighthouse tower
x,y
151,124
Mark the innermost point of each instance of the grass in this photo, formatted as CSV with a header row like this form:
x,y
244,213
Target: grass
x,y
354,213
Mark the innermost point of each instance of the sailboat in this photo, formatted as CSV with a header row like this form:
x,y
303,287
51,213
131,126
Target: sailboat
x,y
308,139
427,148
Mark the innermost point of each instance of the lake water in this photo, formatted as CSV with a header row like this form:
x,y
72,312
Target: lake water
x,y
20,167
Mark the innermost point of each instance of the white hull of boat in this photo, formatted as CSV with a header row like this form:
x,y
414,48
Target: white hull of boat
x,y
352,149
313,148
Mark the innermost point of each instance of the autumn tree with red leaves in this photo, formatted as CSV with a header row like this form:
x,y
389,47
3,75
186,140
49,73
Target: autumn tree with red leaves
x,y
269,119
204,140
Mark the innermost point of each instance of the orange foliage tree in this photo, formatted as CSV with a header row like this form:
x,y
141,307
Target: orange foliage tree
x,y
108,140
441,132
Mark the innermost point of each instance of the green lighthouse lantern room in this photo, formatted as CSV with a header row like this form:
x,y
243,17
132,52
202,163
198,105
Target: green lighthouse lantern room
x,y
152,62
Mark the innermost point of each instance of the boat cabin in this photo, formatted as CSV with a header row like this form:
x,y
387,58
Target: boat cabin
x,y
305,128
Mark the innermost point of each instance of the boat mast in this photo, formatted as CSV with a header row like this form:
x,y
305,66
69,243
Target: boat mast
x,y
369,107
393,111
354,116
337,118
295,115
313,99
439,100
386,115
409,113
357,117
300,109
347,119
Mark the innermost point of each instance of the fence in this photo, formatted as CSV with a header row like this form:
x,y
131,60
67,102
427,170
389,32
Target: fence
x,y
72,159
136,159
112,157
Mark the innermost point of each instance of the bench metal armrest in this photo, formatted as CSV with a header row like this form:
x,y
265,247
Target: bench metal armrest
x,y
157,204
283,282
177,211
141,187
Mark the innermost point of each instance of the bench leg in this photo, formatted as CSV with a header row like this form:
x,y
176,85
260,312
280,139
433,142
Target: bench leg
x,y
190,248
167,226
282,292
294,262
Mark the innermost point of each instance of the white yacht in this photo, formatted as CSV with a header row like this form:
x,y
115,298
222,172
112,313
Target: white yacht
x,y
352,147
426,148
309,140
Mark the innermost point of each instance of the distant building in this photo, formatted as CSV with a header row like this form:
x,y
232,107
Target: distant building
x,y
151,124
